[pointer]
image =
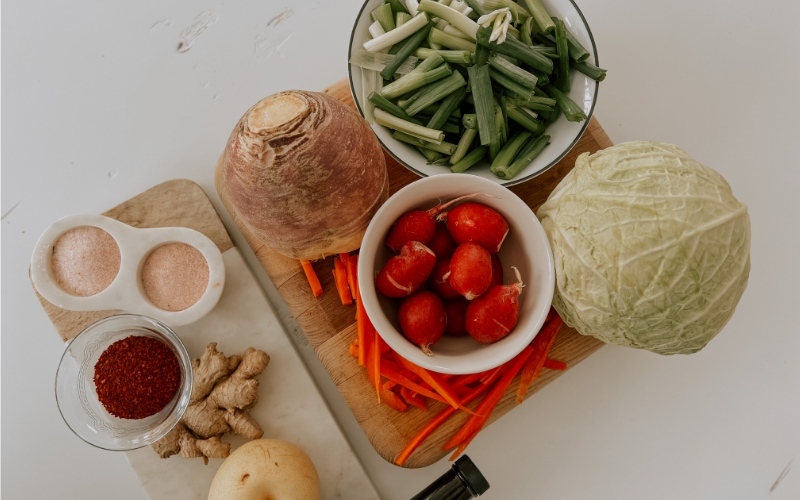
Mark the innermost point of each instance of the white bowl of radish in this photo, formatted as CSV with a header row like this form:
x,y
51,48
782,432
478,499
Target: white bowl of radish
x,y
456,273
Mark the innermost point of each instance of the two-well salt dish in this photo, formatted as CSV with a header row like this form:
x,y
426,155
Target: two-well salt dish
x,y
91,263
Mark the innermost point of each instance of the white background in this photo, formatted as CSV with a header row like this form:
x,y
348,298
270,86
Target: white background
x,y
98,105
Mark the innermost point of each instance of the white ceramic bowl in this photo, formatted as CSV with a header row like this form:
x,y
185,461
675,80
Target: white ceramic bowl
x,y
563,134
526,247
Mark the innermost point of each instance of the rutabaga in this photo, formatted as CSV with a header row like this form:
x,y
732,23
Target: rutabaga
x,y
651,248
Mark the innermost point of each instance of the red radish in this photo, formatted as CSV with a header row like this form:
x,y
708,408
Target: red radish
x,y
476,223
411,226
470,270
405,273
438,281
422,319
497,271
493,315
442,243
416,225
456,310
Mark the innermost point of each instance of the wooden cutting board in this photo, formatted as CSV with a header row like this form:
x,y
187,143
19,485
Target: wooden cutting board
x,y
330,326
290,405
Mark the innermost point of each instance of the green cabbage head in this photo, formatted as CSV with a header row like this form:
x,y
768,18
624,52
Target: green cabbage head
x,y
651,248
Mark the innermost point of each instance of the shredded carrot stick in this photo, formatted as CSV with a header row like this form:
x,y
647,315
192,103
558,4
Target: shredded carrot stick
x,y
353,349
375,362
489,402
554,364
396,376
435,422
364,332
434,380
340,280
351,266
541,346
413,398
392,399
311,276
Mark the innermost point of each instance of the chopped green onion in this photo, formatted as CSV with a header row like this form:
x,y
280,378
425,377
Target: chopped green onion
x,y
414,80
452,30
518,50
447,148
517,10
418,131
433,93
577,52
375,29
451,56
385,104
531,150
501,132
400,18
411,6
447,107
563,56
571,110
464,143
399,33
508,83
384,16
409,46
477,7
469,159
540,15
509,151
481,86
525,118
452,16
377,61
398,6
590,70
511,70
525,32
430,155
439,37
470,121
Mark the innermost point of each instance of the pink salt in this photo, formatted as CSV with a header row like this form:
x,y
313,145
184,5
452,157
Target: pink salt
x,y
175,276
85,261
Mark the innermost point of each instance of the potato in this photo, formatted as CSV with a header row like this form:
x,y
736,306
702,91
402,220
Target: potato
x,y
266,468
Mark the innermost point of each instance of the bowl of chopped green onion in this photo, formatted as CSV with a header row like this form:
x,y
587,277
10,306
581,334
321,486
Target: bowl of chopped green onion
x,y
495,88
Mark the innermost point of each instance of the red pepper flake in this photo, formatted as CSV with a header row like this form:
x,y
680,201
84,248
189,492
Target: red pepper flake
x,y
136,377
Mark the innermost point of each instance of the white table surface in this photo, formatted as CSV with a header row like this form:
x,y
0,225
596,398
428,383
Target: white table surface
x,y
98,105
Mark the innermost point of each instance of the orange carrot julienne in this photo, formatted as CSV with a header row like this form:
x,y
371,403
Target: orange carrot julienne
x,y
484,409
434,380
413,398
435,422
392,374
340,280
376,361
392,399
351,265
554,364
541,344
311,276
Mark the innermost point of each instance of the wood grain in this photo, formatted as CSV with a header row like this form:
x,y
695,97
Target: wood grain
x,y
330,327
175,203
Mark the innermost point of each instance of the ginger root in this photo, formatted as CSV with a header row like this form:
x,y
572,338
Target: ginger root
x,y
224,389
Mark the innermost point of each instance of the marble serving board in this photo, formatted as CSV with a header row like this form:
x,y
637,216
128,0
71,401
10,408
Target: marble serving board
x,y
290,406
330,327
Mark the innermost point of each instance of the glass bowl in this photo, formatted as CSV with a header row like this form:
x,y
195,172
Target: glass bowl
x,y
77,398
564,135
